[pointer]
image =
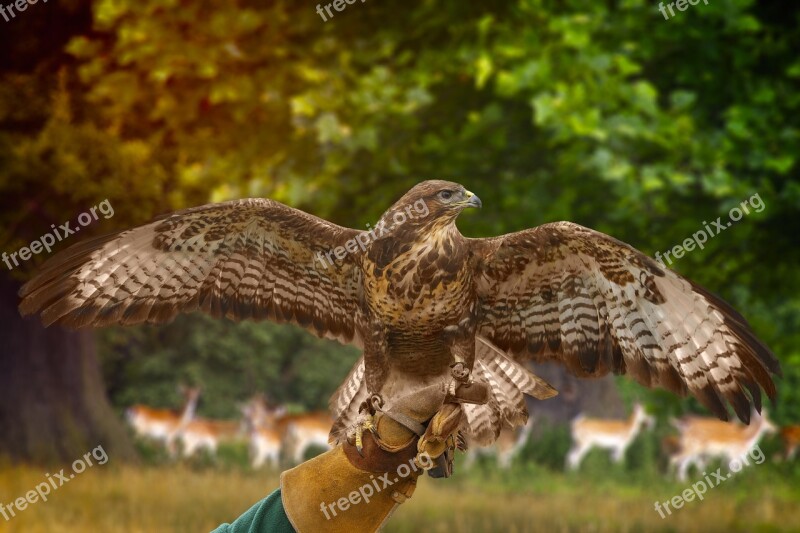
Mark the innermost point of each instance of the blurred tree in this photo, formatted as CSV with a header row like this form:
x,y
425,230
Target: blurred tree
x,y
231,361
53,404
602,113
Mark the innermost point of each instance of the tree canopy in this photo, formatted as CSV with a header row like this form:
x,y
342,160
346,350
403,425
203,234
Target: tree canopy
x,y
602,113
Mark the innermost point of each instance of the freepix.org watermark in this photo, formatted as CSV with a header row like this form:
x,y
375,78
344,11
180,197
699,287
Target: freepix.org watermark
x,y
338,5
54,482
46,241
418,209
376,485
680,4
19,5
699,238
697,490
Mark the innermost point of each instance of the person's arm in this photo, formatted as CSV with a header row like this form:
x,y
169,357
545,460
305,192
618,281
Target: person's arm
x,y
267,515
350,489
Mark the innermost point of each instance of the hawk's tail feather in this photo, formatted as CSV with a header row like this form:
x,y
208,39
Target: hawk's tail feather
x,y
500,363
508,382
345,402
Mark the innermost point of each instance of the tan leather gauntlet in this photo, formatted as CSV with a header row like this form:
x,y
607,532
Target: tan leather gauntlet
x,y
344,491
330,493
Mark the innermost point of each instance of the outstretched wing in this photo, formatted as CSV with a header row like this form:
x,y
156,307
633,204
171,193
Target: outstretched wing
x,y
567,293
244,259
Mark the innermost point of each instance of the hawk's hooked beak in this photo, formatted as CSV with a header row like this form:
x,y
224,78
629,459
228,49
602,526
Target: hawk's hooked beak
x,y
472,200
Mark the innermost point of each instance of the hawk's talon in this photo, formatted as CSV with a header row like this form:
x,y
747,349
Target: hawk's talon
x,y
365,423
451,388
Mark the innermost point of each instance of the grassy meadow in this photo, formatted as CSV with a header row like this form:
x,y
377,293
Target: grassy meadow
x,y
602,497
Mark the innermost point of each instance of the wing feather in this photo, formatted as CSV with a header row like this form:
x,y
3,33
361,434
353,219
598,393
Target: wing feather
x,y
344,403
245,259
567,293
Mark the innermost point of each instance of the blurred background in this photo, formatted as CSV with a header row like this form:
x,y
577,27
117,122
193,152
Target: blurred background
x,y
604,113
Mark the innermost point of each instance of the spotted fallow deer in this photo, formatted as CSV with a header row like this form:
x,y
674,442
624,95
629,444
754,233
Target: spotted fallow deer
x,y
505,448
163,425
206,434
614,435
295,432
790,435
301,431
703,438
264,438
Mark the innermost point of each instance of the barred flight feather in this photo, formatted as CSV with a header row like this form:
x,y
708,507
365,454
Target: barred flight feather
x,y
245,259
597,305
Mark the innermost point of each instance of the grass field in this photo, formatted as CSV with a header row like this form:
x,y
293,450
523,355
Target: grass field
x,y
113,498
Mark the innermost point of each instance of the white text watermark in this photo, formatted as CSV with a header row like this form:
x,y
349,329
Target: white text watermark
x,y
338,5
418,209
715,479
46,241
680,4
366,491
54,481
699,238
20,5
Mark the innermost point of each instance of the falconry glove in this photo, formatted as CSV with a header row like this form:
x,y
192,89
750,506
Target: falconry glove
x,y
349,489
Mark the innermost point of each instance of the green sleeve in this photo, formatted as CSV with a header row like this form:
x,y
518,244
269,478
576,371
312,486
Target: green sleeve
x,y
265,516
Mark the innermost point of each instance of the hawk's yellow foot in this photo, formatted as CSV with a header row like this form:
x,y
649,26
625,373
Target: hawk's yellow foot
x,y
365,422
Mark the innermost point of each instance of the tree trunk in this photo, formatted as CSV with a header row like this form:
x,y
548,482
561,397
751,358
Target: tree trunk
x,y
53,405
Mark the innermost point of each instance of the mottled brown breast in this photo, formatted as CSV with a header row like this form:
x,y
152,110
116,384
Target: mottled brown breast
x,y
416,287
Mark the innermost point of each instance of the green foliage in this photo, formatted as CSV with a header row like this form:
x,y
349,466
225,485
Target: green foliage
x,y
549,448
230,457
230,361
602,113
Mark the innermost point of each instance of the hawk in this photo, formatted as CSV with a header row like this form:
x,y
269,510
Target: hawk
x,y
423,302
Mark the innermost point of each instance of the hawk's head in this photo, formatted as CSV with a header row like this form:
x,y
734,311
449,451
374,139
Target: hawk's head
x,y
430,203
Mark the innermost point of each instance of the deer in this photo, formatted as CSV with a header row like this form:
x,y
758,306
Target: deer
x,y
264,438
294,432
205,434
301,431
163,425
703,438
614,435
509,443
790,435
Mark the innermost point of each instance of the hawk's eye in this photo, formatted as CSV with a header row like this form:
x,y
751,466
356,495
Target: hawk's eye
x,y
446,195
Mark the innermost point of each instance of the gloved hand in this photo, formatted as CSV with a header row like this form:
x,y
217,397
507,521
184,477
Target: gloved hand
x,y
351,490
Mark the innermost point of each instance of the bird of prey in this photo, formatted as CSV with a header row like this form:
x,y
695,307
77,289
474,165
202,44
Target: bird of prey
x,y
423,302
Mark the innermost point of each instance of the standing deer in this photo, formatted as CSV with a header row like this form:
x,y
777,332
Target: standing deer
x,y
295,432
702,438
163,425
790,435
614,435
301,431
204,434
505,448
265,440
